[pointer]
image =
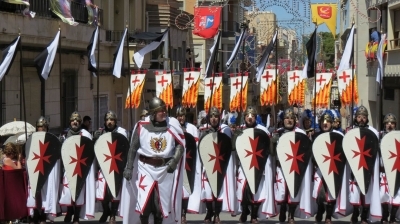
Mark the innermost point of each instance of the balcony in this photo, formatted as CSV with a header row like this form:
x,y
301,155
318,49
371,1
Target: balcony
x,y
42,8
230,28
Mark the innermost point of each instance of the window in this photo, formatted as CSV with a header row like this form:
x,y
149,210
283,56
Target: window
x,y
70,94
103,110
395,43
388,94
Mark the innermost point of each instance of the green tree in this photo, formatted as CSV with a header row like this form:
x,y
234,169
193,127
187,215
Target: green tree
x,y
327,54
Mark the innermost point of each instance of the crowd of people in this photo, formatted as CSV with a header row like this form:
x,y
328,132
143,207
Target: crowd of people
x,y
174,168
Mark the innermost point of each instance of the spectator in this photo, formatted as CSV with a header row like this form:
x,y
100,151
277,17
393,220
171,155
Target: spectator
x,y
375,36
11,159
87,123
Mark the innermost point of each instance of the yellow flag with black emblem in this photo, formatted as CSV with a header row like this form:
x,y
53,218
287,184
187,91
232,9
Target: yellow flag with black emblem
x,y
325,13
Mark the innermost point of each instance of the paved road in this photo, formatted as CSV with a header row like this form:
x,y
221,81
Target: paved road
x,y
225,218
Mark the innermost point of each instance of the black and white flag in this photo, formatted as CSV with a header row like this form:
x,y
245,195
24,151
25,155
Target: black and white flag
x,y
91,49
8,56
44,61
119,56
264,58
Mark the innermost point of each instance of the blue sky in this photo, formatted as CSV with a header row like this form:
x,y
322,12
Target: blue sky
x,y
282,14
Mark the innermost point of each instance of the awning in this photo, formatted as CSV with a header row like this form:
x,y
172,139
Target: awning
x,y
392,71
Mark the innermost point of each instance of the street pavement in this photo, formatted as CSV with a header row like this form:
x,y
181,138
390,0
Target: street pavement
x,y
225,219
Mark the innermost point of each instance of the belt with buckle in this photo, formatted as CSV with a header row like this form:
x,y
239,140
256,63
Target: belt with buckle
x,y
154,161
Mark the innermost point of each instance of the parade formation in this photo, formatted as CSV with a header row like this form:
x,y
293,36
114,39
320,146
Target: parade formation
x,y
171,168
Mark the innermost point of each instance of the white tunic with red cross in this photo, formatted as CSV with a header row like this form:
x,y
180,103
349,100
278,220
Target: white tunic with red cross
x,y
155,144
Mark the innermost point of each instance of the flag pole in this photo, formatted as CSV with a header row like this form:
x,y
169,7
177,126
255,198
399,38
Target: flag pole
x,y
315,75
129,75
245,26
381,94
276,76
61,89
98,74
352,80
213,75
21,71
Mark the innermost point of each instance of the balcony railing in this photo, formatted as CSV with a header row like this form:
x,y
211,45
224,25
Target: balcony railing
x,y
42,8
395,43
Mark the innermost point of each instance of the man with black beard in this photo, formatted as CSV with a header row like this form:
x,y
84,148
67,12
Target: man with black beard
x,y
251,201
156,151
356,199
281,195
110,125
87,196
228,199
389,125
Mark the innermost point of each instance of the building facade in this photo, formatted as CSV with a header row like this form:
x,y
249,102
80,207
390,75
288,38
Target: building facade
x,y
384,16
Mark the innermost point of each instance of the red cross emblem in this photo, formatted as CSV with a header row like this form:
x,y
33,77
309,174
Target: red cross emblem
x,y
162,81
344,77
267,76
136,80
211,84
189,78
294,77
320,80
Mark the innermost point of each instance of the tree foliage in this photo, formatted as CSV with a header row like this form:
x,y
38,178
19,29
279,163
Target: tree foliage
x,y
328,49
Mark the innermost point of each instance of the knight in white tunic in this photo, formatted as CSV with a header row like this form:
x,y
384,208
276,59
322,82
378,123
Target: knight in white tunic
x,y
191,202
103,192
369,204
326,203
84,206
45,203
301,204
157,148
388,201
226,200
251,201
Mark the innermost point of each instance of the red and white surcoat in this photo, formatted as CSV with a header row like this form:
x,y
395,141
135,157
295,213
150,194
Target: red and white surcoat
x,y
145,177
87,197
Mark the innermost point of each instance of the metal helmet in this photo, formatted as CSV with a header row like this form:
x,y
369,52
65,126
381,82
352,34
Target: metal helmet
x,y
250,110
289,113
110,115
75,116
42,122
214,111
389,118
156,104
180,111
327,116
361,111
144,113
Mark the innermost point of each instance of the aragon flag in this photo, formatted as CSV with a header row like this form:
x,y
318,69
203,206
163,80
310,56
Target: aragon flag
x,y
44,61
206,21
8,56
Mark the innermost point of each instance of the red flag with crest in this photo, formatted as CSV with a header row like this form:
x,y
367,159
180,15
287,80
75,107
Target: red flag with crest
x,y
206,21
